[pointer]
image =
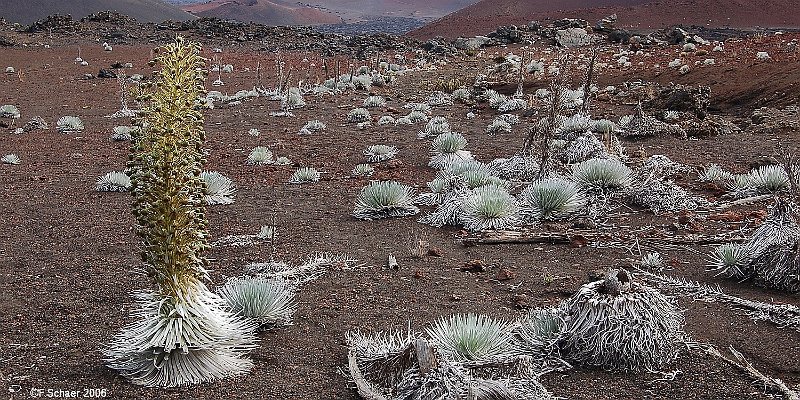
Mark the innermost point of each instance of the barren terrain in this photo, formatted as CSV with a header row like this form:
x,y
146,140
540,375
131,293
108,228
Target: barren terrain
x,y
68,255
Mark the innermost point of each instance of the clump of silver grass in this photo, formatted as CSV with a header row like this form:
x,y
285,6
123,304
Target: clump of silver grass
x,y
380,152
219,188
122,133
69,124
305,175
769,179
385,199
363,170
621,325
448,148
313,126
113,181
730,260
435,126
551,198
471,337
386,120
282,160
498,126
652,262
602,174
416,117
439,99
9,111
359,115
537,336
714,173
260,155
489,207
268,302
11,159
374,101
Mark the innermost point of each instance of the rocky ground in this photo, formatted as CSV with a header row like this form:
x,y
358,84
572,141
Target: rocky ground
x,y
68,254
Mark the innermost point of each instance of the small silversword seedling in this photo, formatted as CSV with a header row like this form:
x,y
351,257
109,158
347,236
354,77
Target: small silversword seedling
x,y
305,175
113,181
471,337
11,159
260,156
551,198
380,152
597,173
69,124
359,115
385,200
219,188
489,207
269,302
363,170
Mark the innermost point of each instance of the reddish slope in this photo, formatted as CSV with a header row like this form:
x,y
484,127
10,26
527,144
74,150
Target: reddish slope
x,y
487,15
263,12
28,11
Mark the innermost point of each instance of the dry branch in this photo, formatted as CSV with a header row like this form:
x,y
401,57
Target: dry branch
x,y
578,236
365,390
774,384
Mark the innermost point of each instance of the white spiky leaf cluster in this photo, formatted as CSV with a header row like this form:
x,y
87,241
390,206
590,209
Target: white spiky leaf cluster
x,y
173,345
359,115
385,199
769,179
731,260
498,126
597,173
380,152
260,155
9,111
435,126
374,101
11,159
113,181
313,126
69,124
219,188
417,116
448,148
268,302
386,120
122,133
550,198
715,173
305,175
363,170
471,337
490,207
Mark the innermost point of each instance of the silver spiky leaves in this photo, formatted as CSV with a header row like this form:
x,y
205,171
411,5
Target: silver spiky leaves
x,y
260,155
11,159
268,302
551,198
385,199
489,207
169,345
113,181
380,152
448,148
69,124
602,174
471,337
219,188
305,175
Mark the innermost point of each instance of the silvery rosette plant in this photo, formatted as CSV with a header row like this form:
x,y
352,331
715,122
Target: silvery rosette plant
x,y
182,333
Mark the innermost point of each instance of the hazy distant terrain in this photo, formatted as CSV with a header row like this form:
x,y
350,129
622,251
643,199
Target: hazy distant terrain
x,y
486,15
346,15
28,11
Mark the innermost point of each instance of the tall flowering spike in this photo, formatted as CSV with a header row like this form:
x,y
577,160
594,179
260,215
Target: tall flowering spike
x,y
183,333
